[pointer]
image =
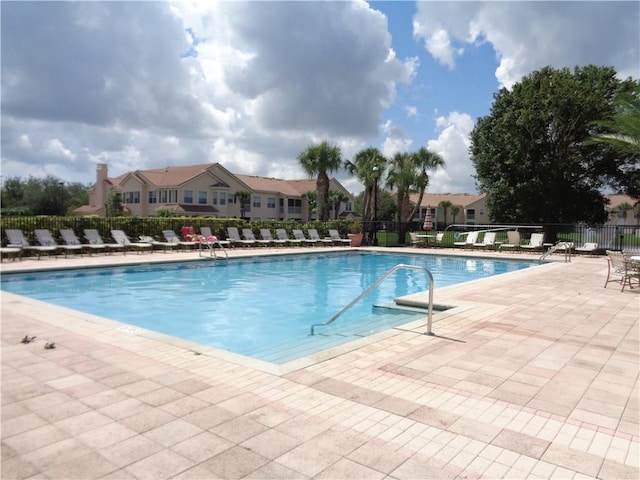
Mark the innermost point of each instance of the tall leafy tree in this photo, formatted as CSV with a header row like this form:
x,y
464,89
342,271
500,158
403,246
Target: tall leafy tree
x,y
312,202
244,197
532,155
319,160
366,165
335,199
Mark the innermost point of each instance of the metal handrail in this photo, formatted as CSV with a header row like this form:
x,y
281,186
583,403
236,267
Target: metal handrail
x,y
212,252
567,246
491,228
378,282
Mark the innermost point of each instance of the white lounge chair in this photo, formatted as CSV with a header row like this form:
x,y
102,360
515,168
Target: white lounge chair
x,y
472,237
588,247
298,235
265,233
172,237
69,237
120,237
247,233
233,235
488,241
16,239
337,239
282,235
166,246
313,235
93,237
206,233
513,241
45,239
536,242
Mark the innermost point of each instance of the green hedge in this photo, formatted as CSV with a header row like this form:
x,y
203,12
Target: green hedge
x,y
153,226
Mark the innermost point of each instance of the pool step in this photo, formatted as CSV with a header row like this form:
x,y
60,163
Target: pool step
x,y
334,335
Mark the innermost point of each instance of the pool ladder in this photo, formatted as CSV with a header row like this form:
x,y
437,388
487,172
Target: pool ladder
x,y
212,250
566,246
375,285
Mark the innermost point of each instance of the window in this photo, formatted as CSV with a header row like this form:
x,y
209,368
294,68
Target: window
x,y
214,198
223,199
271,202
294,205
131,197
348,206
257,201
188,196
173,196
231,199
163,196
202,198
153,196
471,214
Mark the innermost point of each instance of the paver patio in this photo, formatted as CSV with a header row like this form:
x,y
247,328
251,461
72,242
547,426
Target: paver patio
x,y
534,375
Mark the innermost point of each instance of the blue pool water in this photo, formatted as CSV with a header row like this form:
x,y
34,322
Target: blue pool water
x,y
258,307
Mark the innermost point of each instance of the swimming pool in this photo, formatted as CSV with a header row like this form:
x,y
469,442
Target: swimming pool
x,y
261,307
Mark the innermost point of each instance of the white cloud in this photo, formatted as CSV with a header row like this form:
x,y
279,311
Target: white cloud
x,y
527,36
453,145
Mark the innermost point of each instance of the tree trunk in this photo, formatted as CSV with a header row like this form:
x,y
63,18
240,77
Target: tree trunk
x,y
322,192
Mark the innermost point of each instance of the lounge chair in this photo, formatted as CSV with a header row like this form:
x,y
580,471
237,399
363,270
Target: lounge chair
x,y
265,233
45,239
16,239
313,235
166,246
337,239
10,252
206,233
298,235
513,241
536,242
621,269
247,233
94,238
120,237
233,236
439,238
472,238
281,233
172,237
488,241
588,247
69,237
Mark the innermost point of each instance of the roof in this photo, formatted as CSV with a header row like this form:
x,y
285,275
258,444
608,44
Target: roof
x,y
461,199
266,184
616,200
165,177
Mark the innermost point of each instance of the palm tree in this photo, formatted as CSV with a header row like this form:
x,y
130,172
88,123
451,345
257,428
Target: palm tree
x,y
625,207
335,199
244,196
408,174
445,205
455,210
312,203
624,125
318,160
368,165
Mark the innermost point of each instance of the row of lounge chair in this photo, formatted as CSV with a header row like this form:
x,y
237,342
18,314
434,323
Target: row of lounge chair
x,y
514,242
17,243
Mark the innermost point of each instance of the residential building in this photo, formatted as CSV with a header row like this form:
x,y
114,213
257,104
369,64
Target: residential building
x,y
472,208
622,210
207,189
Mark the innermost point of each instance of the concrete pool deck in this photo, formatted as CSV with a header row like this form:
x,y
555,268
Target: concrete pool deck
x,y
534,375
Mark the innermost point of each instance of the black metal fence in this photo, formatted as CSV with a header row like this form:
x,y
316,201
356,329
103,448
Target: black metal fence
x,y
613,237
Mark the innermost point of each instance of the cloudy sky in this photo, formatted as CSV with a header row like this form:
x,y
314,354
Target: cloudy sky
x,y
250,85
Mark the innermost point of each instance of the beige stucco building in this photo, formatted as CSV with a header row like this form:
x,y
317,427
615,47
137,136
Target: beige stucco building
x,y
472,208
207,189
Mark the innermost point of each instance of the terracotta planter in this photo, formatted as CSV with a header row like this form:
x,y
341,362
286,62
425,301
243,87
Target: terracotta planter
x,y
356,239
